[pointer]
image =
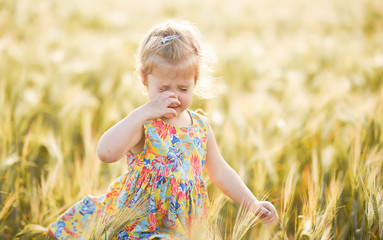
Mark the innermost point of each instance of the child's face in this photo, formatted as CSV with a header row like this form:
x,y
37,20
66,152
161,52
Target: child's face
x,y
166,78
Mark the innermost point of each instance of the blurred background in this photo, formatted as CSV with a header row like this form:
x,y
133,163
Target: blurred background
x,y
297,110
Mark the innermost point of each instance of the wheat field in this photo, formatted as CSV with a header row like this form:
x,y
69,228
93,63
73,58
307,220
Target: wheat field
x,y
297,108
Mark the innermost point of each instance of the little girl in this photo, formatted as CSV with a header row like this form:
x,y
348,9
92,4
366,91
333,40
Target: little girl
x,y
167,146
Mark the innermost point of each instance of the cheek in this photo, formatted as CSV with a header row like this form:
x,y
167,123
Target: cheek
x,y
152,94
186,99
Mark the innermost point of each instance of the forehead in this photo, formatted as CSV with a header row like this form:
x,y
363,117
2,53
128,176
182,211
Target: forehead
x,y
163,71
163,74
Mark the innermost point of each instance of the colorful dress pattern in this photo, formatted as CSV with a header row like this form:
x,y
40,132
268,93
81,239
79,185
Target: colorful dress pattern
x,y
167,173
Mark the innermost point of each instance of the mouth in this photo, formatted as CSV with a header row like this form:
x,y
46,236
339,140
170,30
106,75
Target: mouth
x,y
174,107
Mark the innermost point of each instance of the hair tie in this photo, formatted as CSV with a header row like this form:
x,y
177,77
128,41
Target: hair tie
x,y
168,38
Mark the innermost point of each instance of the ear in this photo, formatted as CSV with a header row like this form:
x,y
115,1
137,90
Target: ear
x,y
195,81
144,78
196,77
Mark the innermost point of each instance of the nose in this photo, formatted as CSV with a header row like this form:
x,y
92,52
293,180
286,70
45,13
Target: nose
x,y
174,94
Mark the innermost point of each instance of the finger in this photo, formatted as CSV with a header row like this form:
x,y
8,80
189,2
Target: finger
x,y
164,95
168,94
270,208
171,101
272,220
262,211
170,113
268,219
270,216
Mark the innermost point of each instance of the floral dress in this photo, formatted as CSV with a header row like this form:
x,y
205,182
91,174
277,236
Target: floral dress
x,y
167,174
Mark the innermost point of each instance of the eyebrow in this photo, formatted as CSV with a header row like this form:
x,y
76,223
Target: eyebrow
x,y
180,86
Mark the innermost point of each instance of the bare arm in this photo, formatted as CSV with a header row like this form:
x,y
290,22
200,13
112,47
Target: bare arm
x,y
129,132
226,179
122,137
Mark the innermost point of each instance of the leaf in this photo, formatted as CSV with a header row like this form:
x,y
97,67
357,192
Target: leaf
x,y
370,212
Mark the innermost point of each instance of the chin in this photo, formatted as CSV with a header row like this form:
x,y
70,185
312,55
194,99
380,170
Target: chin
x,y
168,116
179,112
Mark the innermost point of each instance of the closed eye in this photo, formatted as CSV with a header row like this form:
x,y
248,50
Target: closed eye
x,y
183,89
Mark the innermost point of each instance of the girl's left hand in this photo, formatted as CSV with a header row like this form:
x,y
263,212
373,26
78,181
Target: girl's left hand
x,y
267,212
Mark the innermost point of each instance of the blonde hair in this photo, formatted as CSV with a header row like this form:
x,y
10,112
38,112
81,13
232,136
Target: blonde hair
x,y
183,50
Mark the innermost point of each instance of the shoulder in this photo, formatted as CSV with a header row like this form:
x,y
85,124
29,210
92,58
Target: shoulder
x,y
201,122
150,123
199,117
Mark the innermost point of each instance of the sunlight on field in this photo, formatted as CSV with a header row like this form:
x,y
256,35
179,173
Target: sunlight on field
x,y
298,111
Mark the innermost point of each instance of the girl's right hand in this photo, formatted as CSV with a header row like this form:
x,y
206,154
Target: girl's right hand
x,y
128,134
161,105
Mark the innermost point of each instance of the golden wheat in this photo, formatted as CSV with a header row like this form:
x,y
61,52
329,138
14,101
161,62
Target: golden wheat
x,y
298,114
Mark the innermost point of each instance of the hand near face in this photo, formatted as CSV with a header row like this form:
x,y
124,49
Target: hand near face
x,y
163,105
